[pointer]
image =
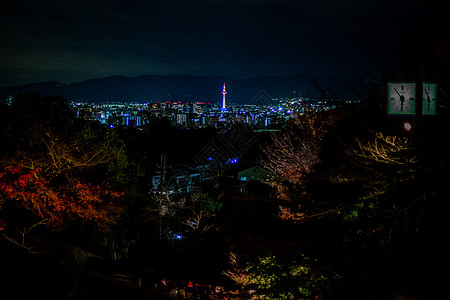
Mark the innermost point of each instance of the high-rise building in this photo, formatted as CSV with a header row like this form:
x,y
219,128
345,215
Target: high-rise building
x,y
224,92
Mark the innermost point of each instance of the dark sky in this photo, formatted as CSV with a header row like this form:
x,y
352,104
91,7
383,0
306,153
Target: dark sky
x,y
70,41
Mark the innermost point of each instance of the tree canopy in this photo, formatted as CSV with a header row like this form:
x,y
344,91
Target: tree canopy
x,y
360,166
62,169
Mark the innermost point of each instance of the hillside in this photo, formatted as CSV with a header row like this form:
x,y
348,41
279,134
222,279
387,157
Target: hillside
x,y
186,88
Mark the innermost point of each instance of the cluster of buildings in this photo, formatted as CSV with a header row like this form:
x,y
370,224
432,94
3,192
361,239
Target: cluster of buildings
x,y
237,124
261,114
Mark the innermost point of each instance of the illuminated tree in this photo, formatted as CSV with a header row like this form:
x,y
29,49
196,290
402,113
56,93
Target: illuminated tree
x,y
378,164
374,185
347,171
64,175
290,158
199,218
293,154
383,174
372,167
61,204
270,277
162,206
189,212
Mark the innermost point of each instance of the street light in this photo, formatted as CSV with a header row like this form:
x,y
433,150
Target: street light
x,y
407,126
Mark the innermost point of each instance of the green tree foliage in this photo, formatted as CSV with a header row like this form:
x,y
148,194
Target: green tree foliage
x,y
271,277
380,178
367,171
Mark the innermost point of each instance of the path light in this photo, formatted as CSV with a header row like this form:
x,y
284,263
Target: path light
x,y
407,126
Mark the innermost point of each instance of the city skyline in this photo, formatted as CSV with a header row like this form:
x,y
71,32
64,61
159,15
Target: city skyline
x,y
75,41
264,149
188,88
274,112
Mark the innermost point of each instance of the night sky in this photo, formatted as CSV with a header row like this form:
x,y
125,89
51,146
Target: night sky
x,y
70,41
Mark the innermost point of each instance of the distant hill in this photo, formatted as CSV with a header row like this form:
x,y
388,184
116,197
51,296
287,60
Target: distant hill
x,y
188,88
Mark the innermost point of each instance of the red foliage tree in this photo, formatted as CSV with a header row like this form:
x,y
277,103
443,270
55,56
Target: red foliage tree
x,y
63,203
65,171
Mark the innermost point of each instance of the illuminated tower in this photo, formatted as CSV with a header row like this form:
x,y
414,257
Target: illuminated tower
x,y
224,92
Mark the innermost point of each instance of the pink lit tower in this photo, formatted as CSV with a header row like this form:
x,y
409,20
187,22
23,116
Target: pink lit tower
x,y
224,92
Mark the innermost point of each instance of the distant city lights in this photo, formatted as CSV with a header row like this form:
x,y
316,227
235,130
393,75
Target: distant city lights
x,y
201,114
